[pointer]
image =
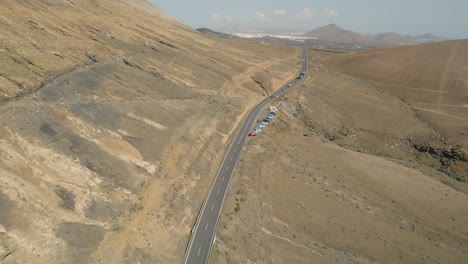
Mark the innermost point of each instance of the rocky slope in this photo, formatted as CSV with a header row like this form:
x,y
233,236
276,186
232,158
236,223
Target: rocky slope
x,y
433,80
113,117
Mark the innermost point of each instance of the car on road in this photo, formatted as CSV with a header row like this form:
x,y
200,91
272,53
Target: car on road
x,y
289,85
252,134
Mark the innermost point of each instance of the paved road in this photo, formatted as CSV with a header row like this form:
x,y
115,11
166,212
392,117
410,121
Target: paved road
x,y
198,250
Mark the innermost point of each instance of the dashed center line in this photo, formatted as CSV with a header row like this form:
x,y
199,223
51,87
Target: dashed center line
x,y
222,179
212,207
219,190
199,249
206,227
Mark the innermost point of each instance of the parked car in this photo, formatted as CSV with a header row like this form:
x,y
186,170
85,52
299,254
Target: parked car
x,y
257,130
261,126
252,134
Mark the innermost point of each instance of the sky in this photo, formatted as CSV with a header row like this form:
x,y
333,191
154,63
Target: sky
x,y
448,18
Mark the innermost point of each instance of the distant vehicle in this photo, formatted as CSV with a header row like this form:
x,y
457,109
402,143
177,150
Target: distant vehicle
x,y
272,113
257,130
289,85
270,116
261,126
267,119
252,134
264,123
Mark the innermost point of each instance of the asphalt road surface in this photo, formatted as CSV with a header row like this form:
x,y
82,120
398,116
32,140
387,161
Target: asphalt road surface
x,y
203,233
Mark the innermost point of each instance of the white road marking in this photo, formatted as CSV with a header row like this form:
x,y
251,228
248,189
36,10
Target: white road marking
x,y
199,249
222,179
212,207
219,189
206,227
231,159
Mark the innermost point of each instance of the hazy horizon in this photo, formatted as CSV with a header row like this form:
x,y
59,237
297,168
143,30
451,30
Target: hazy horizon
x,y
415,18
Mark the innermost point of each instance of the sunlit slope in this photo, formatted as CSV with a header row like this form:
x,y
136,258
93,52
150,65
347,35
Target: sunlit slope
x,y
433,78
44,39
346,173
113,119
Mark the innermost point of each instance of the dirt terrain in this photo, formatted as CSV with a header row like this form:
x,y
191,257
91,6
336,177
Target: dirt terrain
x,y
113,119
438,91
348,173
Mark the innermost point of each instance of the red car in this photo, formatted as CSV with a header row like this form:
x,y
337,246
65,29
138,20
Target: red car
x,y
252,134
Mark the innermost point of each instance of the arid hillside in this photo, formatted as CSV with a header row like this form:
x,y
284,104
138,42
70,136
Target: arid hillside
x,y
432,78
113,119
347,173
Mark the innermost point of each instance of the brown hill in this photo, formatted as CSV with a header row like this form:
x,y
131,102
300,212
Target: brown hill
x,y
213,33
112,122
334,33
348,172
433,78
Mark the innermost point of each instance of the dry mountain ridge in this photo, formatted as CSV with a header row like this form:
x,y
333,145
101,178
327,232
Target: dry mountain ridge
x,y
334,33
115,116
437,91
113,119
354,168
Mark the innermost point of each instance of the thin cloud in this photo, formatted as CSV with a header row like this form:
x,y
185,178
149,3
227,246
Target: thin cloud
x,y
330,13
305,13
261,16
215,17
279,12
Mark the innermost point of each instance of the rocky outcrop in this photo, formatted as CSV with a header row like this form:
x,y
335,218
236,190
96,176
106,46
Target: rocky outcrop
x,y
453,159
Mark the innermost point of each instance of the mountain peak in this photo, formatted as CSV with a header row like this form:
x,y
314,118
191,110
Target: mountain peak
x,y
332,26
429,36
334,33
